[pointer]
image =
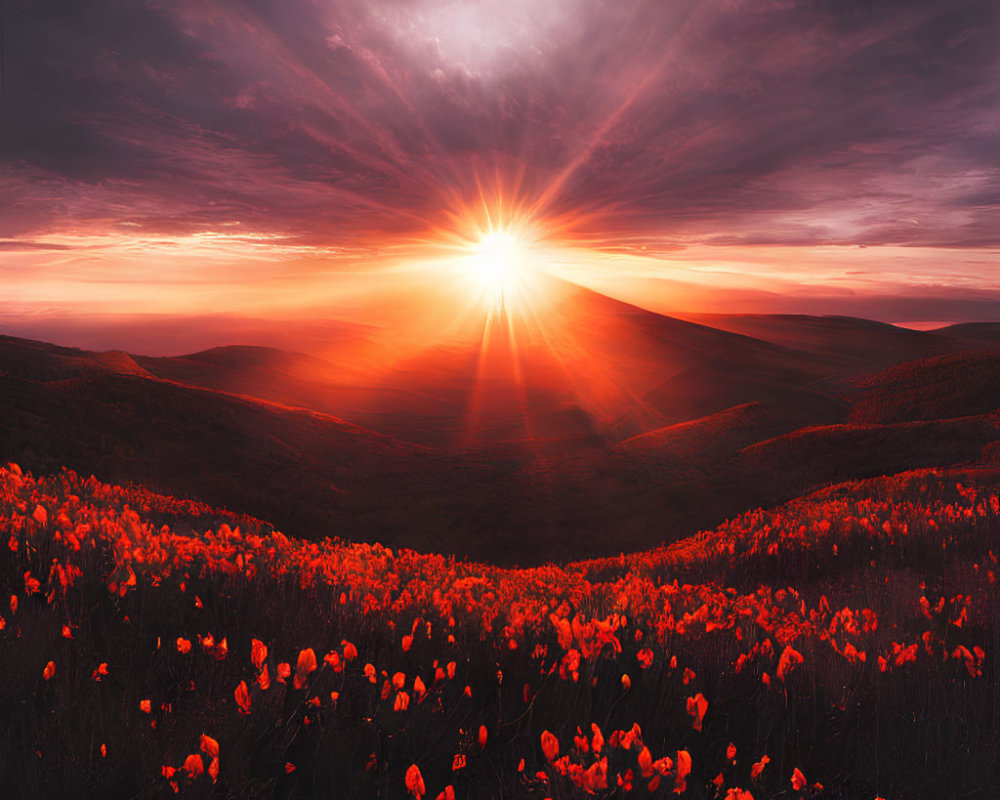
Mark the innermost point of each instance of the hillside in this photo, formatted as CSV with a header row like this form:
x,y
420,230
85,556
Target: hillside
x,y
811,457
304,468
973,334
574,368
721,434
818,649
849,345
957,385
517,500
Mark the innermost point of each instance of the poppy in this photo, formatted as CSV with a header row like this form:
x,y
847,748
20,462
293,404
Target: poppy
x,y
790,658
242,695
414,782
550,746
598,741
209,746
798,780
758,767
697,706
193,766
258,652
645,762
304,666
683,770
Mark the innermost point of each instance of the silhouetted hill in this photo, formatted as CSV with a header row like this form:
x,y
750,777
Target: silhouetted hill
x,y
724,382
973,333
846,344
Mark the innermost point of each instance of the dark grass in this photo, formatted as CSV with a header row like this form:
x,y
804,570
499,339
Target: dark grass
x,y
924,729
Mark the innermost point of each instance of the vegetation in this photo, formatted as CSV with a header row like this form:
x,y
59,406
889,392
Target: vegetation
x,y
842,645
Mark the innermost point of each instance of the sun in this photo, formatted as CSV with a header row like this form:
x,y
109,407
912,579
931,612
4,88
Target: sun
x,y
497,263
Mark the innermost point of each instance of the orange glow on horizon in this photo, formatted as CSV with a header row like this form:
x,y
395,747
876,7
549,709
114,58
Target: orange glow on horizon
x,y
478,326
487,248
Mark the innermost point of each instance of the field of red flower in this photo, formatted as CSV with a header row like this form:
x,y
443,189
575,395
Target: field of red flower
x,y
842,645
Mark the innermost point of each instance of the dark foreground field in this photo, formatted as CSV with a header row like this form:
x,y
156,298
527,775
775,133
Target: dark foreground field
x,y
843,645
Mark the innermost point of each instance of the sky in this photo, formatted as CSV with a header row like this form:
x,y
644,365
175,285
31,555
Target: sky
x,y
198,158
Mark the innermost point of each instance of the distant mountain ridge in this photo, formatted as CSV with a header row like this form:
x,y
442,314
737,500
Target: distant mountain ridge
x,y
856,345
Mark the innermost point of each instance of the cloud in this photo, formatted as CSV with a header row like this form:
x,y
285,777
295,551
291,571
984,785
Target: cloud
x,y
22,245
360,123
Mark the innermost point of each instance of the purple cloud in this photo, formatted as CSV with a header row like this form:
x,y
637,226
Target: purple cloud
x,y
354,123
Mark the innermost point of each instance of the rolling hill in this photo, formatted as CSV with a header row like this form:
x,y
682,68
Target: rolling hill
x,y
956,385
515,448
582,366
848,344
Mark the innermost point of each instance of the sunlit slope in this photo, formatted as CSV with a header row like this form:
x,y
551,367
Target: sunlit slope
x,y
828,644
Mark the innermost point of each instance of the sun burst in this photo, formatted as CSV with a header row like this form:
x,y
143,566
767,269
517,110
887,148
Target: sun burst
x,y
497,263
490,251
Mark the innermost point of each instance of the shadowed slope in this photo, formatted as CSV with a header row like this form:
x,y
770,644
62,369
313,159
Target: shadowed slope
x,y
976,334
949,386
297,466
732,429
806,459
847,344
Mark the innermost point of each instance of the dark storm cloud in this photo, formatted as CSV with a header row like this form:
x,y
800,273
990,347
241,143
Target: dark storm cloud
x,y
350,120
